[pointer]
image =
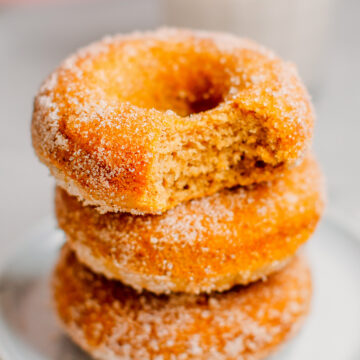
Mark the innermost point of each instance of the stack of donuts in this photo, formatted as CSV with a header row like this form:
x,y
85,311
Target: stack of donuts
x,y
185,188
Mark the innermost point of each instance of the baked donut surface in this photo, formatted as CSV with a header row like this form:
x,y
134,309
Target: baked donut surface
x,y
142,122
232,237
113,321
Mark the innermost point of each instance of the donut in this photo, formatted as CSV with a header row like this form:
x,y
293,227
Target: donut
x,y
232,237
140,123
112,321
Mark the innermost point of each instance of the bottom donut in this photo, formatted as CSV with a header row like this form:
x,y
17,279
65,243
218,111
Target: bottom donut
x,y
112,321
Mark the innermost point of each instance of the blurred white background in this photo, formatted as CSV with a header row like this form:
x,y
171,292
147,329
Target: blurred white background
x,y
34,38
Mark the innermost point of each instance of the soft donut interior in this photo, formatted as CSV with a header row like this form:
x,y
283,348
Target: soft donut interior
x,y
196,162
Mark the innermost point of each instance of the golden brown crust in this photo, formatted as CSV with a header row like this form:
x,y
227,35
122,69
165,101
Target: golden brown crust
x,y
233,237
103,121
112,321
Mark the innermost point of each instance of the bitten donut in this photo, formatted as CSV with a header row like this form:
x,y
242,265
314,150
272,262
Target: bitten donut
x,y
140,123
232,237
112,321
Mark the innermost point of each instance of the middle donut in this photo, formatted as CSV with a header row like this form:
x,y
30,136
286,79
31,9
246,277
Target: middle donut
x,y
233,237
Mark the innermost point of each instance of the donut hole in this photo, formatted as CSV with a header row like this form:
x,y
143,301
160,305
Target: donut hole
x,y
193,101
181,79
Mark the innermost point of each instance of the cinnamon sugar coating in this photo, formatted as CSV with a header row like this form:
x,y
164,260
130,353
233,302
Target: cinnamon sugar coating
x,y
112,321
232,237
142,122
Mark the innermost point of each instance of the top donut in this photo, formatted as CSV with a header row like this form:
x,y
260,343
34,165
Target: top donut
x,y
142,122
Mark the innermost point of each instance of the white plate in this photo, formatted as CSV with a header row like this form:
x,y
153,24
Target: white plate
x,y
28,330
